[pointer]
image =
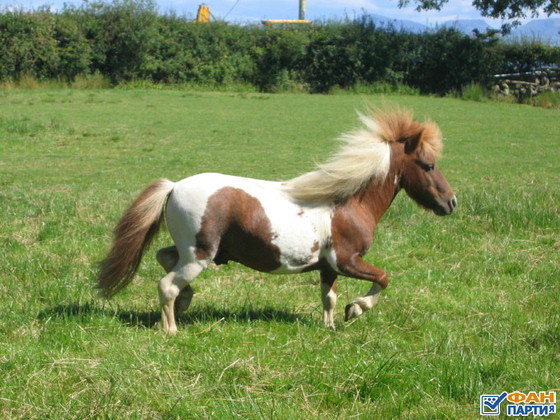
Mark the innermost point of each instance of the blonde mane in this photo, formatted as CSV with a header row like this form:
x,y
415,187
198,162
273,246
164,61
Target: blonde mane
x,y
363,157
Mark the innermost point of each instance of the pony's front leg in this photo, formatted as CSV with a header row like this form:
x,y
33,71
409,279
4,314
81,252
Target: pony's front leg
x,y
361,304
328,296
357,268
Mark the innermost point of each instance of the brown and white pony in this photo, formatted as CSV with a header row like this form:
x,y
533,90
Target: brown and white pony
x,y
323,220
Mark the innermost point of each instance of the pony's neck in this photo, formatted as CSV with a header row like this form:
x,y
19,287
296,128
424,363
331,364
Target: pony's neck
x,y
377,197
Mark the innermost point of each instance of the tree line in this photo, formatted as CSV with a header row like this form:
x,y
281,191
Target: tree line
x,y
126,40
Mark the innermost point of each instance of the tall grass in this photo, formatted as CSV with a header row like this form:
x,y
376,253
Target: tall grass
x,y
474,92
545,100
377,89
82,81
472,306
90,81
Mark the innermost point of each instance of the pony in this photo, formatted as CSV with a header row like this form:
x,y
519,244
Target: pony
x,y
322,221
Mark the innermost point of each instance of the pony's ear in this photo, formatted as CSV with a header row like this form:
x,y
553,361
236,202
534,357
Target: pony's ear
x,y
412,140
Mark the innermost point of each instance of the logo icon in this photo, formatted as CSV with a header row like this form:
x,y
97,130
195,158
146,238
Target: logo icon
x,y
490,404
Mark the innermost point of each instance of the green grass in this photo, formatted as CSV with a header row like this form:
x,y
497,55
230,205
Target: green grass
x,y
472,306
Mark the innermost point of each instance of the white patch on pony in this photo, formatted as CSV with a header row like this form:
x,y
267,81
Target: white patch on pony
x,y
300,232
185,209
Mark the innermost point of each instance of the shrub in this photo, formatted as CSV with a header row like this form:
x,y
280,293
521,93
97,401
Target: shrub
x,y
446,60
120,35
73,50
27,44
526,56
278,55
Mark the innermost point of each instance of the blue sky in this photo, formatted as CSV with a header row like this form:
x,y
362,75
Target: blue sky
x,y
255,10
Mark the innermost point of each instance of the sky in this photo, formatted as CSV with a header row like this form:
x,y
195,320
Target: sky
x,y
243,11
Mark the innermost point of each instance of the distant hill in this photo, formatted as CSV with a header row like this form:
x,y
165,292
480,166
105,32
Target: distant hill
x,y
399,24
546,31
467,26
543,30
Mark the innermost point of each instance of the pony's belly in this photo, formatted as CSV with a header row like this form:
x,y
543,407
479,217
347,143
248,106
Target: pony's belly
x,y
299,245
296,263
266,257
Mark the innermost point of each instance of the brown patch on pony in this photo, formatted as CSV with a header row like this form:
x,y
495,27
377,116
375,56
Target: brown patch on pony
x,y
315,247
353,226
352,230
235,227
132,235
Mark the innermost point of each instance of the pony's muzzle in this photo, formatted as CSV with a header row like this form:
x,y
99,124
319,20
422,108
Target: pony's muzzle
x,y
445,208
451,205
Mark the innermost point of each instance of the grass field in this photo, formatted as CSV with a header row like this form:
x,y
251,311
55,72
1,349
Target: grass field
x,y
472,307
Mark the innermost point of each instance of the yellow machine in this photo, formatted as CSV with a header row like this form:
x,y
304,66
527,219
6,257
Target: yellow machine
x,y
203,14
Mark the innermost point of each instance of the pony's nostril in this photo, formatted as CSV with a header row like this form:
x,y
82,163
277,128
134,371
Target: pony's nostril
x,y
453,202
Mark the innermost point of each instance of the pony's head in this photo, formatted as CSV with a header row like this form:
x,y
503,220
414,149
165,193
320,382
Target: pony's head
x,y
418,146
388,143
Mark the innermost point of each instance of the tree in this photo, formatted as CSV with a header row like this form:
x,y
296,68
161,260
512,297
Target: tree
x,y
502,9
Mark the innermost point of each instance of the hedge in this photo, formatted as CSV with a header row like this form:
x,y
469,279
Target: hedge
x,y
127,40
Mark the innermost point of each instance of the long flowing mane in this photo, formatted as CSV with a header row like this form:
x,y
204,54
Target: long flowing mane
x,y
364,156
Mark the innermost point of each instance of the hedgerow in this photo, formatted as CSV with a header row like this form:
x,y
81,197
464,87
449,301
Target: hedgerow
x,y
127,40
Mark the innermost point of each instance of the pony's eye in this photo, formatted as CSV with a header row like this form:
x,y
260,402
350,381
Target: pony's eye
x,y
426,166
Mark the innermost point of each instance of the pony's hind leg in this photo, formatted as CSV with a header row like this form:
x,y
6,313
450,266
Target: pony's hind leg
x,y
175,285
170,288
168,258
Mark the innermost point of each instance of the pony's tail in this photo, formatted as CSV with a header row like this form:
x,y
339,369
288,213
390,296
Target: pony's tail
x,y
132,235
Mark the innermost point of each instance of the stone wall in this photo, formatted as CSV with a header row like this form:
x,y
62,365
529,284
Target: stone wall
x,y
522,85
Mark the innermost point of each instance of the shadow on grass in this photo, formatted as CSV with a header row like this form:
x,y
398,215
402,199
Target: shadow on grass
x,y
148,319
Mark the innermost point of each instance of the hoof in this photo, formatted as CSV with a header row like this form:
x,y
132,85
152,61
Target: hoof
x,y
168,331
180,306
330,326
352,310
